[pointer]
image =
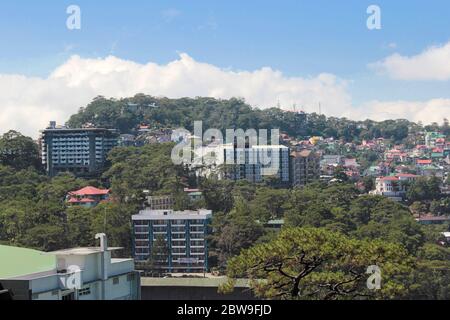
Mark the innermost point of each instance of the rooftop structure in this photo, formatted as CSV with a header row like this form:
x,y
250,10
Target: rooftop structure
x,y
71,274
88,196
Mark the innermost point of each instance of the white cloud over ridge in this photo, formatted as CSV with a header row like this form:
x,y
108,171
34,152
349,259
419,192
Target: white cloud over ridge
x,y
431,64
29,103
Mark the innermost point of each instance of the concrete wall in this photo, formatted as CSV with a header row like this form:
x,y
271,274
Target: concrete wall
x,y
192,293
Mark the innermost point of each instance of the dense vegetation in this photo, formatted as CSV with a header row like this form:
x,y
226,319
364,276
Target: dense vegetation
x,y
333,229
127,114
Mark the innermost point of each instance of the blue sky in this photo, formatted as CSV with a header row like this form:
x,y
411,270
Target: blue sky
x,y
298,38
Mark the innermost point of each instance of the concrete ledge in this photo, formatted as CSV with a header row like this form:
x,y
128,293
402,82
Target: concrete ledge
x,y
191,282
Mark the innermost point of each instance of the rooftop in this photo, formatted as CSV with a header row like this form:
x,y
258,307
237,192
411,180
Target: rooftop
x,y
89,191
16,262
79,251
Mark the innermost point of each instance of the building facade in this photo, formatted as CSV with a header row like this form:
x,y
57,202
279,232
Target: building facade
x,y
393,187
184,234
72,274
253,163
160,202
82,152
305,167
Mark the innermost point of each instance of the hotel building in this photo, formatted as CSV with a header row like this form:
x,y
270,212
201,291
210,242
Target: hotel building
x,y
82,152
184,233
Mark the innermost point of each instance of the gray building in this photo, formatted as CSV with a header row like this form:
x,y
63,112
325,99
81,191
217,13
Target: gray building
x,y
253,163
305,167
82,152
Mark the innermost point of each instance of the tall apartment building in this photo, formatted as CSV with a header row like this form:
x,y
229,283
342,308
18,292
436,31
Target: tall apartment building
x,y
82,152
253,163
184,234
305,167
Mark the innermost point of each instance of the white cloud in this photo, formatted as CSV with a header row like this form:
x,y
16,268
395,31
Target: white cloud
x,y
431,64
29,103
434,110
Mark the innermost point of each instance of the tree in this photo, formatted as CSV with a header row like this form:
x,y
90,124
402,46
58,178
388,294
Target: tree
x,y
150,168
340,174
114,219
308,263
159,254
18,151
234,232
79,226
424,189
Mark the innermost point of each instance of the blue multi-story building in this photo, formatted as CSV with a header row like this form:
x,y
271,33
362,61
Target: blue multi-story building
x,y
82,152
184,233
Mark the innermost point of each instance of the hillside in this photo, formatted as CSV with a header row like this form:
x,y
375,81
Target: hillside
x,y
127,113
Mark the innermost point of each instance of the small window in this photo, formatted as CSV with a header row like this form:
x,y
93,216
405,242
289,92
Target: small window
x,y
130,277
84,292
116,280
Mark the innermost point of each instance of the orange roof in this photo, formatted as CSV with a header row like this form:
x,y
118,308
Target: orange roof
x,y
424,161
89,191
389,179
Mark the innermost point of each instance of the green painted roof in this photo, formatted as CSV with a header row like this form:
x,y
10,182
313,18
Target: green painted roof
x,y
15,262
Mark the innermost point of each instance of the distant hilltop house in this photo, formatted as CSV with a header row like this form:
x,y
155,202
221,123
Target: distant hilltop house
x,y
88,197
434,139
393,187
193,194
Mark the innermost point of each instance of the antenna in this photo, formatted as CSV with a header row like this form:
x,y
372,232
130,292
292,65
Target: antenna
x,y
320,109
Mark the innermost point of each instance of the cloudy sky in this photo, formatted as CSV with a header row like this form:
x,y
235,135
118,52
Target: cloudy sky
x,y
294,52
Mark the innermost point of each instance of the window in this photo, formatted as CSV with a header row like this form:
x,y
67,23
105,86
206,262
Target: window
x,y
130,277
84,292
116,281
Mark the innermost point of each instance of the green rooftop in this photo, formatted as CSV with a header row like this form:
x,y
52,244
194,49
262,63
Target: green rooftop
x,y
15,262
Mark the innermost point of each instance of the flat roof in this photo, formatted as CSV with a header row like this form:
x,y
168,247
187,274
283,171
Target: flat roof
x,y
80,251
16,262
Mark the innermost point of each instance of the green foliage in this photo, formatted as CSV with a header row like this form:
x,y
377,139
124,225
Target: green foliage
x,y
18,151
134,170
159,254
423,189
308,263
226,114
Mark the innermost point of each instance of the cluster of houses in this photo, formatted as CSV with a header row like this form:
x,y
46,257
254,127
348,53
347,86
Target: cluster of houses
x,y
394,166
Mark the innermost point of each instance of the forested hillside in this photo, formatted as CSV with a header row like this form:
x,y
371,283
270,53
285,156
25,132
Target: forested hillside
x,y
126,114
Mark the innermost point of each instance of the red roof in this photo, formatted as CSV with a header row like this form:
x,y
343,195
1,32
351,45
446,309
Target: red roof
x,y
73,200
389,179
424,161
90,191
